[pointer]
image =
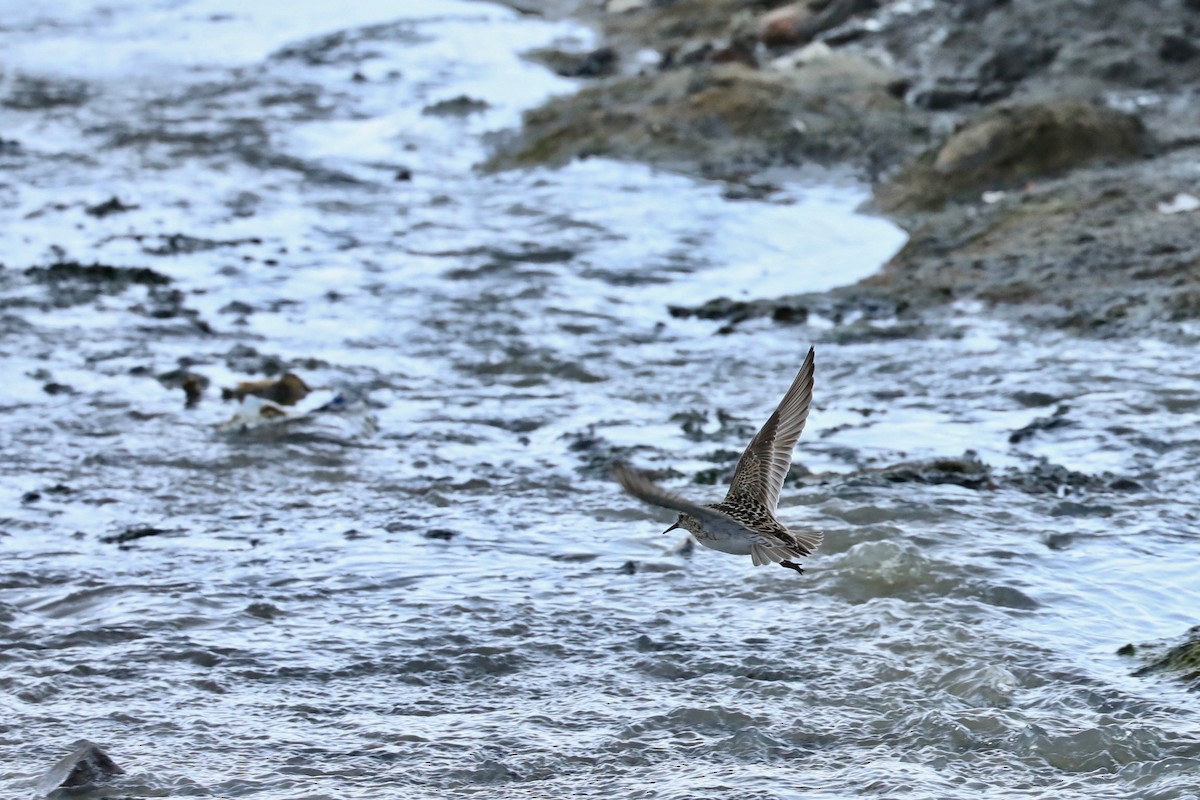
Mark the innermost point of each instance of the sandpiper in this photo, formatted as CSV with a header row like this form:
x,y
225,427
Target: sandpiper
x,y
744,522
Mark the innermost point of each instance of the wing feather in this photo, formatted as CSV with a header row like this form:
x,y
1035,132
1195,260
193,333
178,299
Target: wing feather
x,y
772,550
647,491
765,463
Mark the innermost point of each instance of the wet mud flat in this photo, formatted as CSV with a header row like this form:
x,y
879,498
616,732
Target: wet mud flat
x,y
1042,163
308,425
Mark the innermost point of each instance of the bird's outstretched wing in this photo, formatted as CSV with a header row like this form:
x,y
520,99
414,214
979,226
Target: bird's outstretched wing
x,y
765,463
646,490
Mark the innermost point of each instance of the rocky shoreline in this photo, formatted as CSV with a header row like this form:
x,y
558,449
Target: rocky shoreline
x,y
1042,164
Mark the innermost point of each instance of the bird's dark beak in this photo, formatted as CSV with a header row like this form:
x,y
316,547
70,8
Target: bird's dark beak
x,y
673,527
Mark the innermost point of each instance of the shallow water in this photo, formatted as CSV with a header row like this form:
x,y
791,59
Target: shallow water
x,y
433,589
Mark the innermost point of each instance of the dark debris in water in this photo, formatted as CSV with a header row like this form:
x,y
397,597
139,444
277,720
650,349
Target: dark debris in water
x,y
348,47
100,274
266,611
598,455
840,305
112,205
1034,399
177,244
598,63
246,359
969,472
135,533
729,427
28,93
1055,421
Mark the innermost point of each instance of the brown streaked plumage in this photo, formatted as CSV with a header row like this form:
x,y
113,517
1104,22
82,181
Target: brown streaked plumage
x,y
744,522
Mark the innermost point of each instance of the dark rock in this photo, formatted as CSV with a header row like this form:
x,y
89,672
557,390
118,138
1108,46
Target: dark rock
x,y
1069,508
720,308
748,191
1060,541
179,244
1014,62
87,764
1008,597
944,94
236,307
441,534
113,205
460,106
31,497
789,314
117,277
629,568
1177,49
967,471
598,63
267,611
1034,399
53,389
1127,650
1182,659
1055,479
35,94
711,477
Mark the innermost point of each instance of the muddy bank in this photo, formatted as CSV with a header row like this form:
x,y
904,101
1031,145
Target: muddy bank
x,y
1042,164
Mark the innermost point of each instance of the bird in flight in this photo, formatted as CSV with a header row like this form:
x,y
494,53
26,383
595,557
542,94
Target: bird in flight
x,y
744,524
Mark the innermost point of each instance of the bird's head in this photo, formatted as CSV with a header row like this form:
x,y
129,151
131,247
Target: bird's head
x,y
689,524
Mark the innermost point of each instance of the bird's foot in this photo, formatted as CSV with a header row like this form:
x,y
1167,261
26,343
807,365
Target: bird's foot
x,y
790,565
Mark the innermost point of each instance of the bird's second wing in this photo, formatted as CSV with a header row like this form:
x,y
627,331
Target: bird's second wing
x,y
646,490
764,465
773,548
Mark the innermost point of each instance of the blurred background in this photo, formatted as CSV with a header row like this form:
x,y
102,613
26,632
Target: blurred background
x,y
323,323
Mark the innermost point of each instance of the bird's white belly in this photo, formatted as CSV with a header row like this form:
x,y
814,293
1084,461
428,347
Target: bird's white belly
x,y
734,545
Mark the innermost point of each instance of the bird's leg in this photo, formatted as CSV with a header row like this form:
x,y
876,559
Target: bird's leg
x,y
790,565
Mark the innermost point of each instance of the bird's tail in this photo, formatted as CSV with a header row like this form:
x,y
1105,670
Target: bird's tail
x,y
807,542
